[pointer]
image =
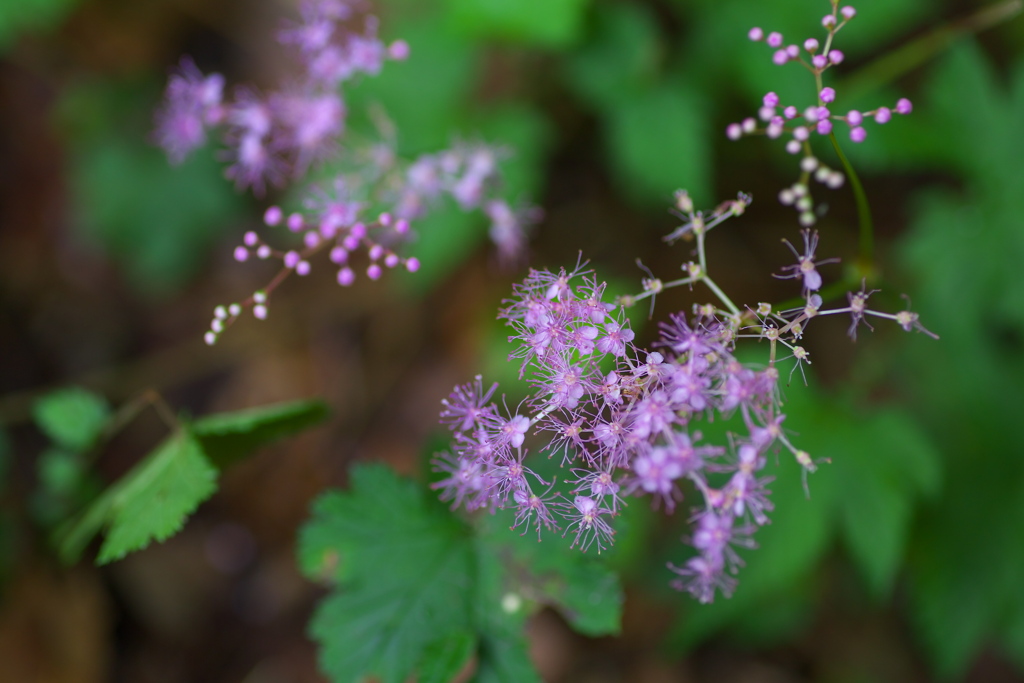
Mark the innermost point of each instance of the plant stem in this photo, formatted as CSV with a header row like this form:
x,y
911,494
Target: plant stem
x,y
866,259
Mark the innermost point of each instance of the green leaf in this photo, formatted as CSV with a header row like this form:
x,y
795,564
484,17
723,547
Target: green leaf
x,y
155,220
620,59
417,588
73,418
60,472
551,23
578,585
659,143
882,464
22,16
446,657
500,612
154,499
150,502
228,437
409,576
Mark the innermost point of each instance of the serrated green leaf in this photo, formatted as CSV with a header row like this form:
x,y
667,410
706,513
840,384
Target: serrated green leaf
x,y
153,500
228,437
150,502
658,142
414,581
409,570
72,418
551,23
444,658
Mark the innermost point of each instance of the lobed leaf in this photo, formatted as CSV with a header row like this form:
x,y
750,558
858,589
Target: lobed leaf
x,y
420,594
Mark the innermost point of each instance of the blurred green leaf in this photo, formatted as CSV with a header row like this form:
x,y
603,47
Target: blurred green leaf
x,y
585,591
551,23
882,464
228,437
658,142
621,56
446,657
967,555
59,471
156,220
25,16
424,96
72,418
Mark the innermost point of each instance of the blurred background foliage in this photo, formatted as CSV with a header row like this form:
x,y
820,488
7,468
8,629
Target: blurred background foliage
x,y
904,563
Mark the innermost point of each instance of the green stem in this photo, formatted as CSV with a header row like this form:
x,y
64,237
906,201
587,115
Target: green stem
x,y
721,295
866,260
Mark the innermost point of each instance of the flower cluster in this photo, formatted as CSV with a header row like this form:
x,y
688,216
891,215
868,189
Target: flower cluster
x,y
368,208
776,119
277,136
364,229
625,421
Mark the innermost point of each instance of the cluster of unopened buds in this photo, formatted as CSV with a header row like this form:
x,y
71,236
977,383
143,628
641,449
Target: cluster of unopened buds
x,y
346,228
625,421
339,239
273,138
776,119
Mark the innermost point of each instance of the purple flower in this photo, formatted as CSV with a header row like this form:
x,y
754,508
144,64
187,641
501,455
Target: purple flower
x,y
702,577
532,509
806,267
192,102
309,124
467,406
513,431
465,483
616,337
656,472
587,518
